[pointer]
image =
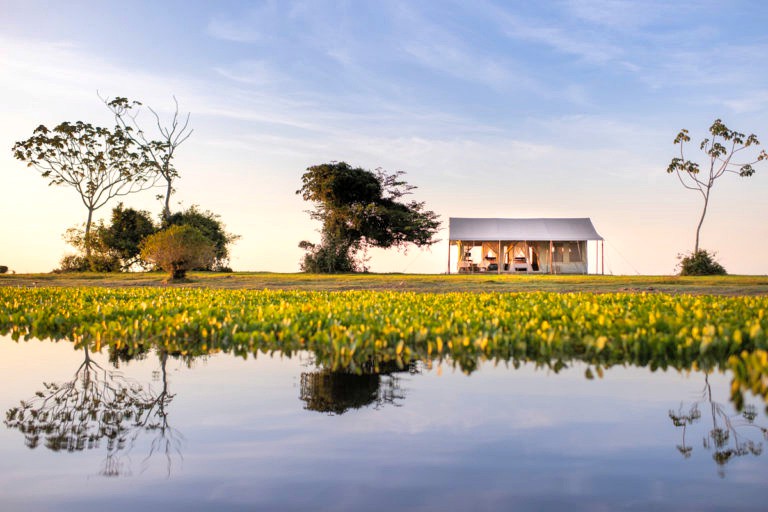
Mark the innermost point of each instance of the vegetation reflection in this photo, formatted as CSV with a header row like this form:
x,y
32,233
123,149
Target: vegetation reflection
x,y
100,406
728,436
337,391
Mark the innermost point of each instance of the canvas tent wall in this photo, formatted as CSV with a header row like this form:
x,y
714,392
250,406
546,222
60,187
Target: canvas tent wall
x,y
545,245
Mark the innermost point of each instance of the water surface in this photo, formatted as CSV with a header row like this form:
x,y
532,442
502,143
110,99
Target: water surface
x,y
277,433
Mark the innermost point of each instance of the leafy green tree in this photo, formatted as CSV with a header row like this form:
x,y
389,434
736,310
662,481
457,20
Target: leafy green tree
x,y
98,163
331,255
126,230
102,257
360,209
162,150
719,152
210,225
178,249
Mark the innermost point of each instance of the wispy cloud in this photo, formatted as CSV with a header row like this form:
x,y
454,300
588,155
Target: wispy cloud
x,y
452,60
259,73
232,31
251,27
722,74
751,101
644,42
619,15
563,38
72,75
436,47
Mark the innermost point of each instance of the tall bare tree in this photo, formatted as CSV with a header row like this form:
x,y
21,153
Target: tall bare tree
x,y
162,150
720,151
98,163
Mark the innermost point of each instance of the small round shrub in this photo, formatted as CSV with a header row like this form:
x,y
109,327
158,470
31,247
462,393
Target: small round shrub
x,y
3,269
211,226
700,263
177,249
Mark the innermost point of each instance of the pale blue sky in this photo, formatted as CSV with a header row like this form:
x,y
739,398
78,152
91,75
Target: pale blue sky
x,y
493,109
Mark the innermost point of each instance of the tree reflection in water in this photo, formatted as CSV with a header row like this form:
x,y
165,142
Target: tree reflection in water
x,y
98,406
336,392
154,418
728,437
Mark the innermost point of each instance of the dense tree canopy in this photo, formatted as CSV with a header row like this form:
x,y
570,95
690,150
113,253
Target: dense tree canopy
x,y
98,163
127,228
210,225
117,245
359,208
92,253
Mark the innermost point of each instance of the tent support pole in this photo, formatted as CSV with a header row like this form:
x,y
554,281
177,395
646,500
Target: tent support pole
x,y
449,257
602,258
551,258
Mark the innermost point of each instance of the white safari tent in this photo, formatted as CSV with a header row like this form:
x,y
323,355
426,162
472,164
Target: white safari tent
x,y
547,246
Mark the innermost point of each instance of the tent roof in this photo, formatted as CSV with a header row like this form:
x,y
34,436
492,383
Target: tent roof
x,y
533,230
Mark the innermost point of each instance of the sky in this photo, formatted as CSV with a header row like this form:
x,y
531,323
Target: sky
x,y
492,109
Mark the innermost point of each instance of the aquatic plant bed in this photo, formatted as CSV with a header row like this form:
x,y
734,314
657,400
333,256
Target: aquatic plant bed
x,y
393,323
351,329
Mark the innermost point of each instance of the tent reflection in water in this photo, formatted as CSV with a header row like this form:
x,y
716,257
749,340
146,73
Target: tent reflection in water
x,y
544,246
336,392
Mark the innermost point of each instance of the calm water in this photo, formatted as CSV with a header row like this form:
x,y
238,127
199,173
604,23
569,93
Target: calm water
x,y
221,433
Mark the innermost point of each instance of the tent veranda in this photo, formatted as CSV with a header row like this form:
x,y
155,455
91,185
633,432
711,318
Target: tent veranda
x,y
548,245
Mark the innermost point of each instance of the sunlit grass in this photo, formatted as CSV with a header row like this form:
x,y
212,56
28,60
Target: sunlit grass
x,y
724,285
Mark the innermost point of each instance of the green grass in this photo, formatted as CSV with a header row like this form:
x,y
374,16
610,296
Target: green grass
x,y
715,285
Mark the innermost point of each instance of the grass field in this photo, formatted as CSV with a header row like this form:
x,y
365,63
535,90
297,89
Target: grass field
x,y
716,285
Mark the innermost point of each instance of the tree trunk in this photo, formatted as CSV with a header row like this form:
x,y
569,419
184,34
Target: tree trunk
x,y
178,273
167,206
163,360
87,238
701,220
